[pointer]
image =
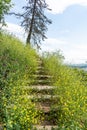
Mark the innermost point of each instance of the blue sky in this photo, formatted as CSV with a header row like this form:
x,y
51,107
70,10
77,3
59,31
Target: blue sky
x,y
67,33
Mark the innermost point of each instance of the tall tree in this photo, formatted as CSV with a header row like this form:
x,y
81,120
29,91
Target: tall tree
x,y
34,21
4,8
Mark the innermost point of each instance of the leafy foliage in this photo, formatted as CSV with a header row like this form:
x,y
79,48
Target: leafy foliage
x,y
34,21
4,8
17,64
52,63
71,105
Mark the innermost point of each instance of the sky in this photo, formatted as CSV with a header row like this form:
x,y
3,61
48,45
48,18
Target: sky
x,y
68,31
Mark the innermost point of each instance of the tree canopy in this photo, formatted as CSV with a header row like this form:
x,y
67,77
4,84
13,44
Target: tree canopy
x,y
4,8
35,21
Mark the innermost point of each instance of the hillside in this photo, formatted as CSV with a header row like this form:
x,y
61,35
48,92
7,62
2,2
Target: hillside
x,y
39,90
17,65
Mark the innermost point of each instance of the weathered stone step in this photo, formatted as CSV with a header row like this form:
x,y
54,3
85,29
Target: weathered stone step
x,y
40,67
44,106
43,82
46,127
50,101
47,108
39,62
41,87
42,96
42,76
43,91
41,72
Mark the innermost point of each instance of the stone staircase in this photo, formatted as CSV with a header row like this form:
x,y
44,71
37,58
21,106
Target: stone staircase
x,y
43,93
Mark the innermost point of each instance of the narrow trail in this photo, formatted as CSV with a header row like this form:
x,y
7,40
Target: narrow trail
x,y
45,97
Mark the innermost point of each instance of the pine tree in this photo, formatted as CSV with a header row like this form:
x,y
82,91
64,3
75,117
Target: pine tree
x,y
34,21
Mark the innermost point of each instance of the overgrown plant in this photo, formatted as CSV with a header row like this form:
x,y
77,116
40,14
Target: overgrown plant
x,y
52,62
5,6
17,65
71,105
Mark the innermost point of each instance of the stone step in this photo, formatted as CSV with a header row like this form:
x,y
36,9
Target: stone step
x,y
42,76
41,72
44,91
39,61
46,127
40,67
46,100
50,101
41,81
41,87
41,96
36,90
45,109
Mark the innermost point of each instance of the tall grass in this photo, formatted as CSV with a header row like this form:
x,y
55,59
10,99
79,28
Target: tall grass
x,y
17,65
71,112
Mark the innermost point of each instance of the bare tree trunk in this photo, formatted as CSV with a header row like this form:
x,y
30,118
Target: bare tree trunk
x,y
31,25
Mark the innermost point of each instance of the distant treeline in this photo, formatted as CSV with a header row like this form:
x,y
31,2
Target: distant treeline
x,y
83,66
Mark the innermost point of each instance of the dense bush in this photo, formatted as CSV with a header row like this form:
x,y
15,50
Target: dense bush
x,y
17,64
71,112
52,63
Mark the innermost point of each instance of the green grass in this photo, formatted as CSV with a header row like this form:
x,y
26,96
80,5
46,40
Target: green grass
x,y
71,88
17,65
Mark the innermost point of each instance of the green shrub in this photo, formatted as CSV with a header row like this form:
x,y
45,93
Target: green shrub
x,y
71,107
16,59
17,65
73,97
20,112
52,63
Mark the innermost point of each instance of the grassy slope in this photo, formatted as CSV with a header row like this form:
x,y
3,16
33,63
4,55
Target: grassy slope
x,y
71,88
17,65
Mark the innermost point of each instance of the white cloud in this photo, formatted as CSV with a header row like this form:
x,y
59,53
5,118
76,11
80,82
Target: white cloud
x,y
76,53
52,44
73,53
15,30
76,56
58,6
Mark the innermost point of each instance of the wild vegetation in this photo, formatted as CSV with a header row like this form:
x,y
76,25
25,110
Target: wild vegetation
x,y
5,6
71,89
18,63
